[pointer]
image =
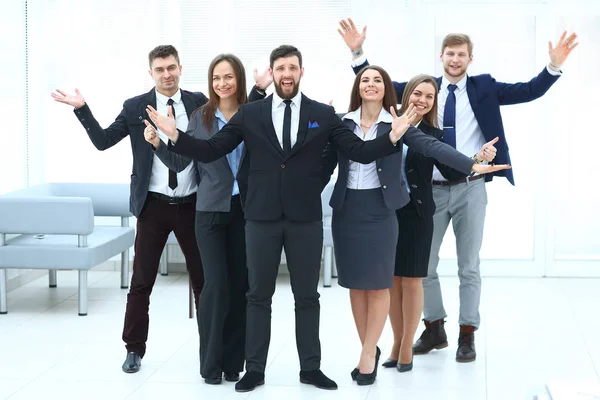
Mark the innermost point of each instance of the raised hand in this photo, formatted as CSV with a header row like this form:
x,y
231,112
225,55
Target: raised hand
x,y
264,79
559,54
488,151
486,169
76,101
150,135
353,38
400,124
164,123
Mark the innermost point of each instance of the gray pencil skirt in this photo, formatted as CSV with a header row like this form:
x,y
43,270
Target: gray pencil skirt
x,y
365,234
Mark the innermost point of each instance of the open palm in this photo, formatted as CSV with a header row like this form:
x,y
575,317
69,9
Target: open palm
x,y
353,38
72,100
564,46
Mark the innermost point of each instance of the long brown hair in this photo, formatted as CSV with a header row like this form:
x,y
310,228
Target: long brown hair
x,y
210,108
389,97
431,117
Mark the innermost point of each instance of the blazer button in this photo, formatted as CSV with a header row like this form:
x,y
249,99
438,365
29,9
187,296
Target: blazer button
x,y
413,185
378,169
410,170
384,186
419,201
282,165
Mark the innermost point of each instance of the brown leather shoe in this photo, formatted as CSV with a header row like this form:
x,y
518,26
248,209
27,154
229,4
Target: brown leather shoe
x,y
466,344
433,337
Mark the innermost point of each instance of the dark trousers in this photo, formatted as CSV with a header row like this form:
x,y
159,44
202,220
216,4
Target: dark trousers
x,y
157,220
222,306
303,243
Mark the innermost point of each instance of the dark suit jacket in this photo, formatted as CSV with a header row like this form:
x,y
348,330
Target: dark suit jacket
x,y
486,95
284,186
419,170
131,122
389,168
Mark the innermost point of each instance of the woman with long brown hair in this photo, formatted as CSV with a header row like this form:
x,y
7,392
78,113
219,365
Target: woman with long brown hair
x,y
364,200
415,221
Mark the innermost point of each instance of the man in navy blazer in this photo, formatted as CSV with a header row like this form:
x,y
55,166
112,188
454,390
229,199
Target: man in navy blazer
x,y
469,112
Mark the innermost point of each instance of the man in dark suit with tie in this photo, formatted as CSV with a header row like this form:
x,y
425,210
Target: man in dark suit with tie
x,y
469,112
285,135
163,188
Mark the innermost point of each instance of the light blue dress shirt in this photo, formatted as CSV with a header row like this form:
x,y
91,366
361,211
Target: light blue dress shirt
x,y
234,157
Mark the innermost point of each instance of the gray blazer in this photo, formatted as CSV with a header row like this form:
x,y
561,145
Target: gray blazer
x,y
215,179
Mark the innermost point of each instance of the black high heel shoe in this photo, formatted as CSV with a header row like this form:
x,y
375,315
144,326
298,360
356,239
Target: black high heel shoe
x,y
355,371
405,367
389,363
369,379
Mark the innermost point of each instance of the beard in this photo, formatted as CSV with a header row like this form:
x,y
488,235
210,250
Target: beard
x,y
287,96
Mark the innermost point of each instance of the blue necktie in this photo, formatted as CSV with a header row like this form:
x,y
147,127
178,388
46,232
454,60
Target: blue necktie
x,y
450,117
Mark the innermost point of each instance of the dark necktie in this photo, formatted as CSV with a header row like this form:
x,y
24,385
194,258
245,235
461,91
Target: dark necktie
x,y
287,127
172,174
450,117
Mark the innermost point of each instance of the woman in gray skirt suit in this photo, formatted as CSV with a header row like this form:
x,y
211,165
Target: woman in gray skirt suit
x,y
364,200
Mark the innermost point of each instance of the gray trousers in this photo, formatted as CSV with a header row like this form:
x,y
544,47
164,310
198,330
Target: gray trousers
x,y
465,205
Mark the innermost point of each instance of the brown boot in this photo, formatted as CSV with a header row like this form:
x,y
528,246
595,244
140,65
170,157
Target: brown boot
x,y
466,344
433,337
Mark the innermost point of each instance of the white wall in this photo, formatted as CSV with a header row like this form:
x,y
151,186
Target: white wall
x,y
546,224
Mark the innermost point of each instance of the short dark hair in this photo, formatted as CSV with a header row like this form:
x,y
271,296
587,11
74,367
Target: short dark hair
x,y
163,51
285,51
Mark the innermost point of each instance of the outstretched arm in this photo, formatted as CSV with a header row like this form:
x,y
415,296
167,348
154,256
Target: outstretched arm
x,y
201,150
522,92
101,138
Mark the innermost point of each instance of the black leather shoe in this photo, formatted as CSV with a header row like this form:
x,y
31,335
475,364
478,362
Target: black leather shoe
x,y
213,381
250,381
232,376
466,345
317,378
354,373
389,363
433,337
132,363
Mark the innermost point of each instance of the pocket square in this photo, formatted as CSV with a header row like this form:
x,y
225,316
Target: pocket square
x,y
313,124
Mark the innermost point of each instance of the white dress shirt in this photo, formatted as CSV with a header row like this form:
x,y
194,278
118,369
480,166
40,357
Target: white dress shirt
x,y
186,179
277,114
364,176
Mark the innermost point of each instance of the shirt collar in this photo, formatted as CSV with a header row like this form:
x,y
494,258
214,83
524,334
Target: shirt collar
x,y
278,101
462,84
163,99
219,115
384,116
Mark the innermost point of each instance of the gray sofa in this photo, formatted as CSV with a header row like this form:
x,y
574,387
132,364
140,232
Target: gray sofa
x,y
51,226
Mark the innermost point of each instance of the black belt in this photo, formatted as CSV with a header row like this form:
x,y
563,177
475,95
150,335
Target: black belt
x,y
453,183
173,200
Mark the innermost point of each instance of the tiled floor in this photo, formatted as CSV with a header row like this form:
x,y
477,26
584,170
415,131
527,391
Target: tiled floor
x,y
533,331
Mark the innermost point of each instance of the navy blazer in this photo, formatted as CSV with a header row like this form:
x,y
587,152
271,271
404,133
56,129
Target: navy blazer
x,y
486,95
389,167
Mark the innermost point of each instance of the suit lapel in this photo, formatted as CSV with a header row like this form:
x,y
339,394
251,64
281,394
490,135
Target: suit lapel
x,y
188,103
148,100
472,97
383,128
267,117
305,105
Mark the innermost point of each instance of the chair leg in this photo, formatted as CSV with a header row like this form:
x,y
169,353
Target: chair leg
x,y
334,270
327,254
52,278
82,295
3,309
164,261
191,301
125,269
